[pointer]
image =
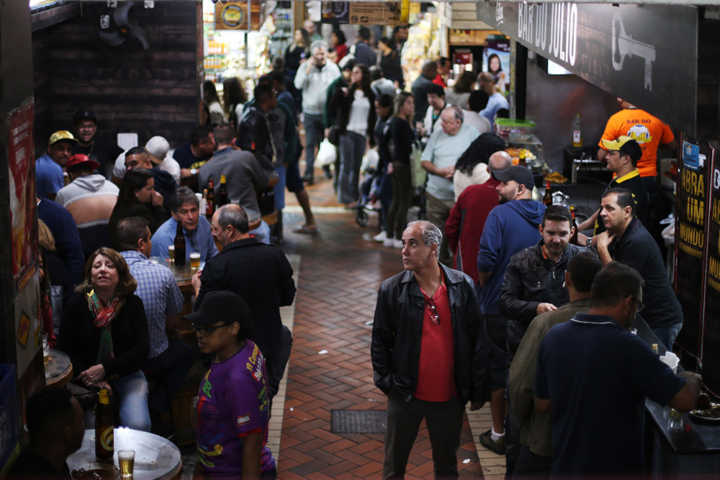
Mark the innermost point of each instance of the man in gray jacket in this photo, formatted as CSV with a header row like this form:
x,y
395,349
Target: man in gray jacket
x,y
90,199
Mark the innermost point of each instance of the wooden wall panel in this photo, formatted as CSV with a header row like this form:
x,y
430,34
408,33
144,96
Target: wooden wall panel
x,y
151,92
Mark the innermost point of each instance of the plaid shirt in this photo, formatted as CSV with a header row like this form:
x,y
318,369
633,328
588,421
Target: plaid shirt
x,y
159,293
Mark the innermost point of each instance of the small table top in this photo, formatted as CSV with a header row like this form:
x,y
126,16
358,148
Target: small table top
x,y
58,370
155,457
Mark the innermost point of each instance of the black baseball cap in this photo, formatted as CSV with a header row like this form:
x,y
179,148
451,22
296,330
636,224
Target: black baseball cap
x,y
521,175
84,115
221,306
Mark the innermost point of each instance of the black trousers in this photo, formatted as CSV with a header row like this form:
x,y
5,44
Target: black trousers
x,y
444,423
169,370
529,465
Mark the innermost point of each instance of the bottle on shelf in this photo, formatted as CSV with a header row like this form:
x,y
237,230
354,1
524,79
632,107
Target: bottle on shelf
x,y
210,200
573,224
104,427
179,246
577,141
222,196
547,198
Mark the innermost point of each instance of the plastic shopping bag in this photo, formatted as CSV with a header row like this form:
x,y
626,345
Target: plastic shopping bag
x,y
327,153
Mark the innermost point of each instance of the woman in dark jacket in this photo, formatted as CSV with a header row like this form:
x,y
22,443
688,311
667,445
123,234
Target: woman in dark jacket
x,y
402,137
105,333
390,62
138,198
355,122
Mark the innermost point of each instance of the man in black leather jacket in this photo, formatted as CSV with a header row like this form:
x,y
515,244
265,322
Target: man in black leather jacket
x,y
535,278
428,352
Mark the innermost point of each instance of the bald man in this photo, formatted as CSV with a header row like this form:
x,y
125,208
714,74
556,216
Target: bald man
x,y
474,202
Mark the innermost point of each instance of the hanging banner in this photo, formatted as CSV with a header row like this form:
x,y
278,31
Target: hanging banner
x,y
711,327
616,48
338,12
692,229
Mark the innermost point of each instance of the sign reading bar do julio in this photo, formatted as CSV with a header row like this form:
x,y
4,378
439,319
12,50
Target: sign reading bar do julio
x,y
616,48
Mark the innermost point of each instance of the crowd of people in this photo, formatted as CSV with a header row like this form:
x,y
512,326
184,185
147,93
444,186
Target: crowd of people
x,y
502,299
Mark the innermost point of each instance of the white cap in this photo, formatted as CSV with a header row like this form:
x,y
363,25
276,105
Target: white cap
x,y
158,147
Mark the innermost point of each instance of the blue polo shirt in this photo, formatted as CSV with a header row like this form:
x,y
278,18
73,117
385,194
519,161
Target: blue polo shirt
x,y
200,240
597,375
48,176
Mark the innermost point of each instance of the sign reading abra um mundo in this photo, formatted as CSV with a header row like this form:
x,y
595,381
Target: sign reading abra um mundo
x,y
646,54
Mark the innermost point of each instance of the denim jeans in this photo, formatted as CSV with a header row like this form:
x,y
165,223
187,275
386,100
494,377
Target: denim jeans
x,y
352,148
314,134
132,394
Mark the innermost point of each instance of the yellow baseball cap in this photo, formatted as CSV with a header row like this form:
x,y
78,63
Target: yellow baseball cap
x,y
61,135
615,145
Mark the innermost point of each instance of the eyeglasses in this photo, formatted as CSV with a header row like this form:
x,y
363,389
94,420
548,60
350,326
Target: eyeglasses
x,y
434,315
207,329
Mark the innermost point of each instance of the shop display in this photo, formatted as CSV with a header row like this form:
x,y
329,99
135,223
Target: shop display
x,y
233,52
423,43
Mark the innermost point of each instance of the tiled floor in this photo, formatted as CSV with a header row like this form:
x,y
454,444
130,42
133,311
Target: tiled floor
x,y
341,269
338,272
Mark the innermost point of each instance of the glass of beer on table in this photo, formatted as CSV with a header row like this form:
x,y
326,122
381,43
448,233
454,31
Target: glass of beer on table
x,y
171,253
126,459
194,261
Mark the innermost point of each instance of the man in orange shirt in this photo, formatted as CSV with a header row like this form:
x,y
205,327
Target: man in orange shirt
x,y
648,131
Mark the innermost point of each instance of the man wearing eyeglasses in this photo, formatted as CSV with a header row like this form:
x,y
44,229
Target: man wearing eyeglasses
x,y
260,274
428,352
626,240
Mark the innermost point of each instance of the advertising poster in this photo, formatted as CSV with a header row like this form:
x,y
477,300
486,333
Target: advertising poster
x,y
689,252
21,163
27,324
496,60
711,330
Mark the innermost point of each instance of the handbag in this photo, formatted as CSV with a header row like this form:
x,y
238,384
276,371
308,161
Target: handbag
x,y
418,173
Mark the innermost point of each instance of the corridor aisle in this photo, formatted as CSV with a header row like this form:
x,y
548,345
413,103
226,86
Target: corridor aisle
x,y
330,365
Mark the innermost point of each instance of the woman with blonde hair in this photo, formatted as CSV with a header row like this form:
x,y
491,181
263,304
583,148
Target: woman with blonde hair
x,y
104,331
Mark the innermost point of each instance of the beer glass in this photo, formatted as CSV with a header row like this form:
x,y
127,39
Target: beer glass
x,y
194,261
171,253
126,458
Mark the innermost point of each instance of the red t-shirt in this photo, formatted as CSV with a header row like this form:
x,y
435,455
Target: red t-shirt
x,y
439,80
436,382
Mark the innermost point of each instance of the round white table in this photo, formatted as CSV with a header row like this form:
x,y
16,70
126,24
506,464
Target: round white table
x,y
155,457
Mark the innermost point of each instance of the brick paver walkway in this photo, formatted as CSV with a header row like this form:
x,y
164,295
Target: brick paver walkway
x,y
330,363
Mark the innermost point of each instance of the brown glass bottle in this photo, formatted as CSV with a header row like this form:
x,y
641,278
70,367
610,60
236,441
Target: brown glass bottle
x,y
573,224
210,200
104,425
547,198
222,196
179,246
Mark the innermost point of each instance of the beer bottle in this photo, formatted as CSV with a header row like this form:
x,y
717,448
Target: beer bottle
x,y
547,198
104,425
577,140
574,225
222,197
179,246
210,200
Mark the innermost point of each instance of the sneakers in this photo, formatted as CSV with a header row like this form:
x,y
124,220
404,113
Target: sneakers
x,y
389,242
397,243
380,237
497,446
